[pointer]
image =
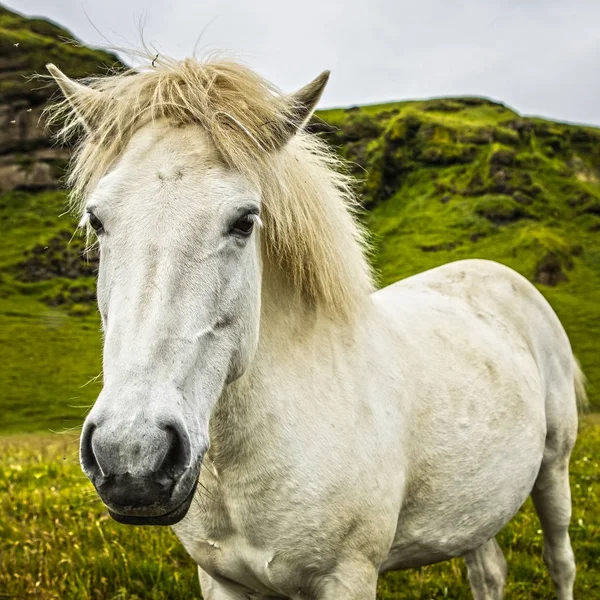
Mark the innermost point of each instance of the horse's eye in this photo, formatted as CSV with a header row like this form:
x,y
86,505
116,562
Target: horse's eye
x,y
244,226
96,223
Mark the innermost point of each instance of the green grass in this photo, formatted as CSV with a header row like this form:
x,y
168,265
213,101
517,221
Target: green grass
x,y
50,360
57,540
48,355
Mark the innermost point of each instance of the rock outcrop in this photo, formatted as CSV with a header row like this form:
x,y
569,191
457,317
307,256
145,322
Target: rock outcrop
x,y
28,159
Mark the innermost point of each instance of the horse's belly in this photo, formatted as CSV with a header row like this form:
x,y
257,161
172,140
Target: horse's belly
x,y
446,517
432,538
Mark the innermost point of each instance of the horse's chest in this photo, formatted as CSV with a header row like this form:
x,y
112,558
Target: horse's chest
x,y
222,547
233,558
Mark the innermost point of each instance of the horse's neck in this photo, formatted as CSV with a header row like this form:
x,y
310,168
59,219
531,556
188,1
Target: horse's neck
x,y
294,339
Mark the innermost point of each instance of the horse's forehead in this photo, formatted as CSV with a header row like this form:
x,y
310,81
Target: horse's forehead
x,y
165,144
174,168
160,160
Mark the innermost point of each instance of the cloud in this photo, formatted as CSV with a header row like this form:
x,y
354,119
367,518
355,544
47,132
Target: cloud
x,y
538,56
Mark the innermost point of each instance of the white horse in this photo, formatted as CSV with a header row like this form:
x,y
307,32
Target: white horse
x,y
333,432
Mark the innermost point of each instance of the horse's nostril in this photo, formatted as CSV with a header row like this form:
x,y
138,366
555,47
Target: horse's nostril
x,y
177,456
86,453
135,466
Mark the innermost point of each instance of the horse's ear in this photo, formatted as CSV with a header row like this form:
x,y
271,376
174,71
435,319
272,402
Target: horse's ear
x,y
80,97
302,106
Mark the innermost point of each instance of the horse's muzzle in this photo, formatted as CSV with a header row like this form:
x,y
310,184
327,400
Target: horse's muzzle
x,y
144,478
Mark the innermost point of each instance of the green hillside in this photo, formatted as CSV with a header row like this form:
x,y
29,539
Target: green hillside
x,y
455,178
27,45
441,180
46,353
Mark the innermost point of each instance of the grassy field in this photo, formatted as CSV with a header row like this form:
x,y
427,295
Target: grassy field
x,y
49,342
441,180
58,542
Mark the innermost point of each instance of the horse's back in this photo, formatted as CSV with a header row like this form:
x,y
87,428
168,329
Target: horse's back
x,y
488,357
495,300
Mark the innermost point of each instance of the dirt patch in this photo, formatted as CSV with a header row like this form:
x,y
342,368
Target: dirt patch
x,y
550,269
63,256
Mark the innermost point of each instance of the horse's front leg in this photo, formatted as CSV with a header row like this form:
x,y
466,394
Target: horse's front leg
x,y
220,590
352,580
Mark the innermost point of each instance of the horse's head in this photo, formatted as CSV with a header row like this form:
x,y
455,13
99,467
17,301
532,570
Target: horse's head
x,y
179,284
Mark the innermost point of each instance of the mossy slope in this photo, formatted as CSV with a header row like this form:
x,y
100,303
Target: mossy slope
x,y
438,187
27,45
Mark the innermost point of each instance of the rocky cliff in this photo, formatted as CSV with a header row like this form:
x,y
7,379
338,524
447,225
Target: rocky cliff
x,y
28,160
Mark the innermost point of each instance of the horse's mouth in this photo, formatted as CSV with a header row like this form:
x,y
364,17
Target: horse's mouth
x,y
169,518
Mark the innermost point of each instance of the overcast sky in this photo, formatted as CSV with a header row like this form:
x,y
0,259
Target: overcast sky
x,y
541,57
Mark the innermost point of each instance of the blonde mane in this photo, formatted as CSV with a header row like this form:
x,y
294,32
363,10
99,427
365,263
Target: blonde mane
x,y
308,202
